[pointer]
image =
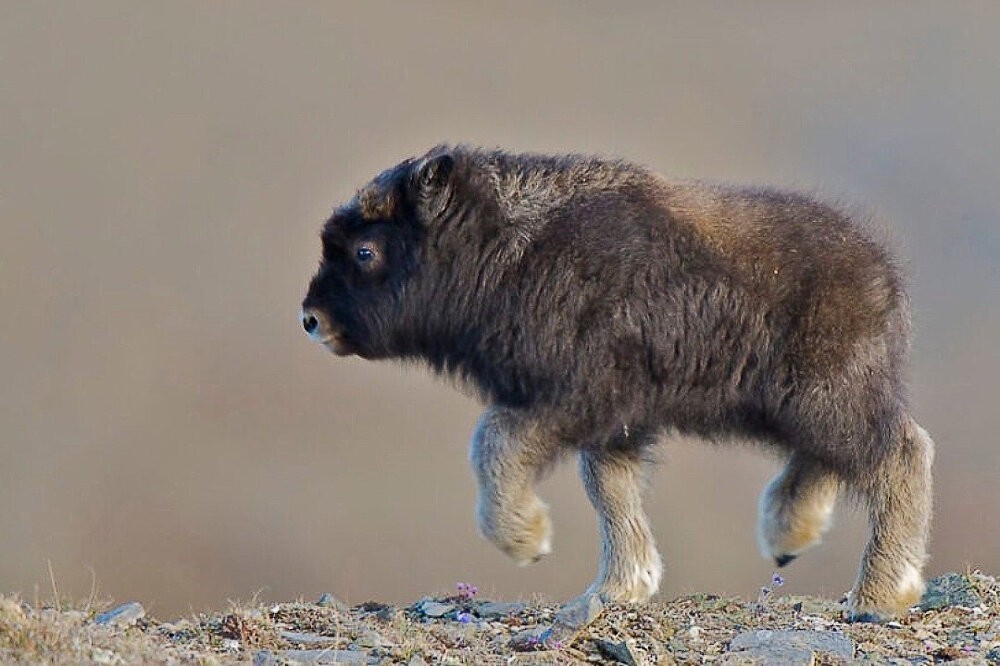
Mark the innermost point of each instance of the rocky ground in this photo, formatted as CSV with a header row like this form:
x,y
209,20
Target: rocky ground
x,y
958,621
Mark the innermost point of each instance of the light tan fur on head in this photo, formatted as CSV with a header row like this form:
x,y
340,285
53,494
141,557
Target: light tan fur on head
x,y
379,199
376,202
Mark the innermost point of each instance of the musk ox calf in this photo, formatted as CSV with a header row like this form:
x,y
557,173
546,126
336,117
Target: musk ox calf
x,y
597,307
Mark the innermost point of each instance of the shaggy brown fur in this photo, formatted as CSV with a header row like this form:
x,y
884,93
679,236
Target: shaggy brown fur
x,y
597,307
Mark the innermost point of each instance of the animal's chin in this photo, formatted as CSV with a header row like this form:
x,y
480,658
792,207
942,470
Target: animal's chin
x,y
338,346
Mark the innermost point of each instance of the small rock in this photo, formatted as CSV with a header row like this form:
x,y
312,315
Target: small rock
x,y
951,589
617,651
818,641
530,639
817,606
567,623
283,657
372,606
490,610
416,660
580,612
432,608
772,645
327,600
304,638
122,616
776,654
372,639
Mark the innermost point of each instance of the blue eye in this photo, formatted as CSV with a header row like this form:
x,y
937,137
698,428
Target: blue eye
x,y
365,254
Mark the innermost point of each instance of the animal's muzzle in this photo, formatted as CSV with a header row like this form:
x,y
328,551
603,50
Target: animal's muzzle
x,y
309,322
315,324
321,330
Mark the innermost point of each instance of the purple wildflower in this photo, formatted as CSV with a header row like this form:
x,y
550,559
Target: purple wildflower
x,y
776,581
464,617
466,591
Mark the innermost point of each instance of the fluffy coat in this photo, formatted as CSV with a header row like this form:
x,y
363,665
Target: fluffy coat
x,y
597,307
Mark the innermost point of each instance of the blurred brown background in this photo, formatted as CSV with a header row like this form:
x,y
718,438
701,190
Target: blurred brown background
x,y
165,168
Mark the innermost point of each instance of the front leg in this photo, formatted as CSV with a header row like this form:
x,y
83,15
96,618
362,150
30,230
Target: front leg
x,y
630,568
509,454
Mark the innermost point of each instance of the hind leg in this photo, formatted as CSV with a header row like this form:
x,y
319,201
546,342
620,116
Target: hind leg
x,y
898,493
509,455
795,509
630,567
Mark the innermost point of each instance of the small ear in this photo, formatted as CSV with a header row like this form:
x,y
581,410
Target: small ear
x,y
435,171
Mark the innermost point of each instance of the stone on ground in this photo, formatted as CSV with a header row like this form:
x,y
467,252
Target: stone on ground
x,y
490,610
285,657
619,652
951,589
122,616
569,621
788,647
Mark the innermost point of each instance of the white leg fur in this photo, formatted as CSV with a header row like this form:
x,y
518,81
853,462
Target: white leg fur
x,y
911,583
630,568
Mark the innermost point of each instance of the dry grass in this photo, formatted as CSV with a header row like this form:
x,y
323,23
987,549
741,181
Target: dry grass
x,y
689,630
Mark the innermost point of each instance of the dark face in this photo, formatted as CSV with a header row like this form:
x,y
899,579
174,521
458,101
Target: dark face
x,y
371,247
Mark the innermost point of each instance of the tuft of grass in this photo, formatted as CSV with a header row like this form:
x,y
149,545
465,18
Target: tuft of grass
x,y
67,635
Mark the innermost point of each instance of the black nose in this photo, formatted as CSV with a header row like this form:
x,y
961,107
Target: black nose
x,y
309,322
